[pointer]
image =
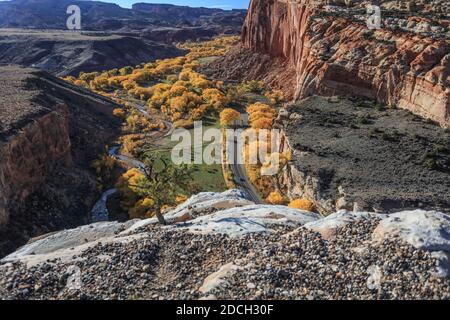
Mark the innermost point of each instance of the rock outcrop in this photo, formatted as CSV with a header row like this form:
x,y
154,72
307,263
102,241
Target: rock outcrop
x,y
356,156
228,213
247,252
329,50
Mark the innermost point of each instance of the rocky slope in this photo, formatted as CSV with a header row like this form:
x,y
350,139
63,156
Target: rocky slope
x,y
66,53
354,155
326,48
34,34
46,147
222,246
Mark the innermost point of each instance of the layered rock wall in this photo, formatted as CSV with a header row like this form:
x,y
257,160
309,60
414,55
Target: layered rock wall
x,y
333,54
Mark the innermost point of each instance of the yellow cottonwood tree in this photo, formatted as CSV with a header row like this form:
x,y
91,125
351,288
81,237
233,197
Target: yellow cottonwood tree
x,y
228,116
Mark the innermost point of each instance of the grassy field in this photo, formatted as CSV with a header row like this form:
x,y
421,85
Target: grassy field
x,y
207,60
206,177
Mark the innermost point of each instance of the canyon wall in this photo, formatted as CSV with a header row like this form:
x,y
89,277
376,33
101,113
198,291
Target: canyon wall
x,y
50,132
28,157
306,49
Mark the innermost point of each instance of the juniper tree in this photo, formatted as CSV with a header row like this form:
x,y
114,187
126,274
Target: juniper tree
x,y
163,181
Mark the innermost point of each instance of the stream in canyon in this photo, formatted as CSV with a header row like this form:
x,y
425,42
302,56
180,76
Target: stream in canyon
x,y
99,212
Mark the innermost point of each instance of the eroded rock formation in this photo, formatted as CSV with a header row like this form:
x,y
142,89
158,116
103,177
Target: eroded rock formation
x,y
307,47
230,251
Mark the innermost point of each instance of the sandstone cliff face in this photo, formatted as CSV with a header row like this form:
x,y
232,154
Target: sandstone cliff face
x,y
334,54
27,158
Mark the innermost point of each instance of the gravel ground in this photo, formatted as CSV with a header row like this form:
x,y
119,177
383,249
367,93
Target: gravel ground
x,y
18,105
286,264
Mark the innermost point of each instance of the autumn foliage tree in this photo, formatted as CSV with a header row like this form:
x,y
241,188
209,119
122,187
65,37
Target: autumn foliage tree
x,y
119,113
228,116
215,98
171,87
103,166
261,116
302,204
275,198
275,97
128,191
162,181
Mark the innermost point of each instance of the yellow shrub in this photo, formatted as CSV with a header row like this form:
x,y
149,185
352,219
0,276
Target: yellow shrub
x,y
70,79
87,77
260,107
176,116
132,143
198,81
142,209
185,75
275,96
183,123
126,71
228,116
275,198
177,90
179,104
197,114
260,114
126,186
137,123
119,113
181,199
129,85
302,204
81,83
215,98
263,123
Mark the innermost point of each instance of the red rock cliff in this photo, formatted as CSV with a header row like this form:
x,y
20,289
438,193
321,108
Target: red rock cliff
x,y
28,157
333,54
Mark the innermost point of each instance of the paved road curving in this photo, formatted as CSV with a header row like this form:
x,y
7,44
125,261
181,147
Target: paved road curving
x,y
241,179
